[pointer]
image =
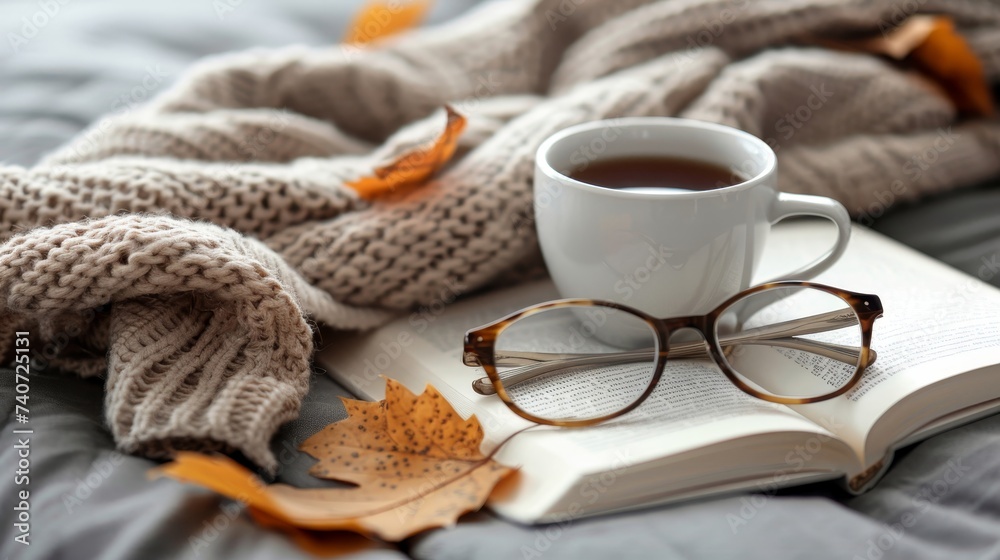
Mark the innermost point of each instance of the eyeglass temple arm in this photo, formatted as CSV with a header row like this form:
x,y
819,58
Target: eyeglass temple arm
x,y
823,322
538,363
484,386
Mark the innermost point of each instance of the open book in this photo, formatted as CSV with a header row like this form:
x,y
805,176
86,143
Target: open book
x,y
938,365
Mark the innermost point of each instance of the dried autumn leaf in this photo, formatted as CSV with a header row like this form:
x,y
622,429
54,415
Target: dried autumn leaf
x,y
947,57
413,168
416,463
933,45
382,19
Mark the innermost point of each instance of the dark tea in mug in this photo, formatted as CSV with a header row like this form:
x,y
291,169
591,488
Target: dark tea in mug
x,y
656,172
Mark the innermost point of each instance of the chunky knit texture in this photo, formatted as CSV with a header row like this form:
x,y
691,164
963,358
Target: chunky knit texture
x,y
188,249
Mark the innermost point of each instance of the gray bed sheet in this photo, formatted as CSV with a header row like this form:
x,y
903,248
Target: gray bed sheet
x,y
940,500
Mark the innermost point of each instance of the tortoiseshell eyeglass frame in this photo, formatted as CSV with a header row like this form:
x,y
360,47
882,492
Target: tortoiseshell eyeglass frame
x,y
479,345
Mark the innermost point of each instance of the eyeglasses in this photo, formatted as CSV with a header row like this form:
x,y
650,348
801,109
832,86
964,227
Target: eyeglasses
x,y
577,362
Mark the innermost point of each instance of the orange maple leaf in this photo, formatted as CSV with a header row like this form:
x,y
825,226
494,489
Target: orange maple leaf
x,y
416,463
415,167
382,19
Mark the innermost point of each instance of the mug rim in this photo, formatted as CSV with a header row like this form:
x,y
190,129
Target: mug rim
x,y
542,162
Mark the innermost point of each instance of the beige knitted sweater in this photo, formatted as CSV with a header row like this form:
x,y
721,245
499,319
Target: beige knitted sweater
x,y
189,249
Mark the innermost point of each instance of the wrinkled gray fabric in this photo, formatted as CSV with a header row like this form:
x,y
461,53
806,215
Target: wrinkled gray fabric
x,y
89,502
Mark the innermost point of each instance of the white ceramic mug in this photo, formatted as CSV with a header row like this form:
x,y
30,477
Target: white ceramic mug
x,y
668,252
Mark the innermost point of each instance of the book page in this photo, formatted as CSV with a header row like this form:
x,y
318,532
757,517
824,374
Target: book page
x,y
691,398
938,323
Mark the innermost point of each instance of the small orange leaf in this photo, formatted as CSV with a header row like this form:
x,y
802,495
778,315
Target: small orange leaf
x,y
415,167
382,19
933,46
945,56
415,461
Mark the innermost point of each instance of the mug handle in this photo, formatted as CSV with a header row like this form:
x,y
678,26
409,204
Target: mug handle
x,y
787,205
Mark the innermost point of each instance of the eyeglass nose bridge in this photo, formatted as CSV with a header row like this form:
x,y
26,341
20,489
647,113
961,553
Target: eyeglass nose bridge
x,y
668,326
